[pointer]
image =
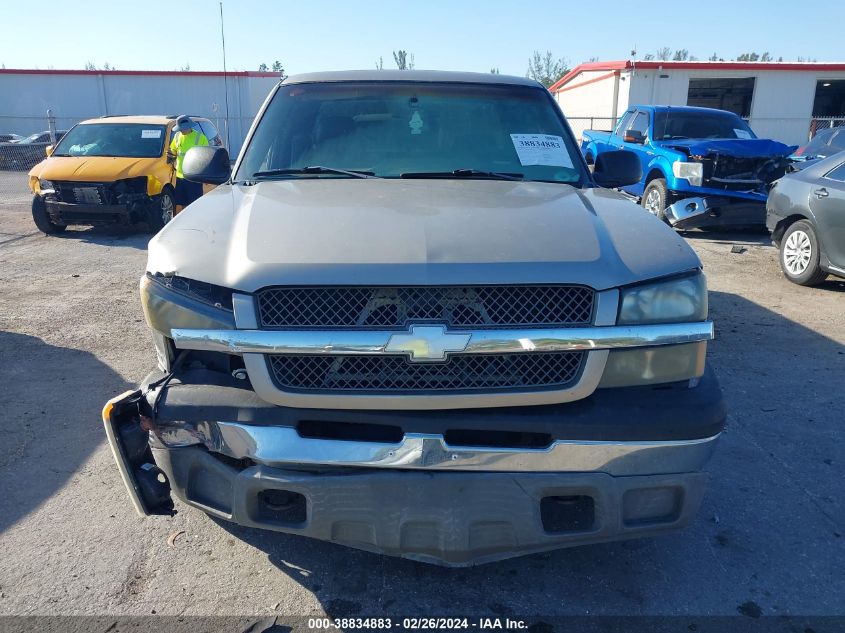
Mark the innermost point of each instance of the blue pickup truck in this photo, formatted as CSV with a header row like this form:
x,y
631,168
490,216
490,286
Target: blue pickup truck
x,y
701,166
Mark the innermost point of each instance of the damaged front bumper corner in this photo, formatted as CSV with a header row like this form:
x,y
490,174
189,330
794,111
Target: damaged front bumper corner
x,y
127,431
696,212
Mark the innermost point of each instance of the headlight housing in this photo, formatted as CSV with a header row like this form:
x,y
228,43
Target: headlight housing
x,y
693,172
177,302
675,300
681,299
45,186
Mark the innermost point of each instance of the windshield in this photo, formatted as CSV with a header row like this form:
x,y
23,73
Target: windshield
x,y
677,124
133,140
399,129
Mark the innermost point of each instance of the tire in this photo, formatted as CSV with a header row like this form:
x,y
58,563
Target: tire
x,y
656,198
42,218
161,211
799,254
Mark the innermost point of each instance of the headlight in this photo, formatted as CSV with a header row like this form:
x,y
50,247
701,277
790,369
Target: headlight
x,y
176,302
673,301
45,185
677,300
693,172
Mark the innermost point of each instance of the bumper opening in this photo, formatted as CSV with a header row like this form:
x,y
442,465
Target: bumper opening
x,y
283,507
574,513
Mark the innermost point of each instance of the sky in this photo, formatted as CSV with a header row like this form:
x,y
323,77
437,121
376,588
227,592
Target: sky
x,y
468,35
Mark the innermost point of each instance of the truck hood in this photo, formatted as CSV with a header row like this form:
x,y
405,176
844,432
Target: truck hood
x,y
416,232
736,147
93,168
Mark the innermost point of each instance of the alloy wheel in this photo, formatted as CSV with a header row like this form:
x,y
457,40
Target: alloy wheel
x,y
167,208
797,251
652,202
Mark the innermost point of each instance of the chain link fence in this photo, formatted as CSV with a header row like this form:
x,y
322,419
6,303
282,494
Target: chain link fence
x,y
581,123
23,144
822,123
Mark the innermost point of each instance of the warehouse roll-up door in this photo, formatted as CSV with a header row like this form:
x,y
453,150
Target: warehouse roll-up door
x,y
732,94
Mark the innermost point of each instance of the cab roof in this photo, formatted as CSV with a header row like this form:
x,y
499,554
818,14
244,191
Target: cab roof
x,y
411,75
149,119
154,119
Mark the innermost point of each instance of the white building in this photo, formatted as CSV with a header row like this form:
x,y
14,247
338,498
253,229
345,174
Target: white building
x,y
70,96
785,101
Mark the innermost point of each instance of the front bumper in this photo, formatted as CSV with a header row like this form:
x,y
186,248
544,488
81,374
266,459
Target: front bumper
x,y
453,519
622,463
91,214
696,212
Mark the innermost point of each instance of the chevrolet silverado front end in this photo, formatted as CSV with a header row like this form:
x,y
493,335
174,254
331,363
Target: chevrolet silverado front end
x,y
411,323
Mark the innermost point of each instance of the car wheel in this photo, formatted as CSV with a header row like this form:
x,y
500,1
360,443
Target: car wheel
x,y
42,218
161,211
656,198
799,254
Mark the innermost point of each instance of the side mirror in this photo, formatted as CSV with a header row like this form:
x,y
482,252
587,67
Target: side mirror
x,y
617,169
634,136
49,150
207,164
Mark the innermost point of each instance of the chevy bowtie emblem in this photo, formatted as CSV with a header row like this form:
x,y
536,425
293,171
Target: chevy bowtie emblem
x,y
426,343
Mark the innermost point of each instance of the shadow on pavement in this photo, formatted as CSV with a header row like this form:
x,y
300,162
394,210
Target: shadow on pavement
x,y
43,440
134,236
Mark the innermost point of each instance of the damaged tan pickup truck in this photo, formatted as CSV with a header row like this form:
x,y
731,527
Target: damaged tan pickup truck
x,y
411,321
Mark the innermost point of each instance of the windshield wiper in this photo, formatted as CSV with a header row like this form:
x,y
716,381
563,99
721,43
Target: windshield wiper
x,y
313,169
462,173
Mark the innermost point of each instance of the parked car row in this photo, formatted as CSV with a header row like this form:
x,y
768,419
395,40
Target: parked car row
x,y
22,154
703,167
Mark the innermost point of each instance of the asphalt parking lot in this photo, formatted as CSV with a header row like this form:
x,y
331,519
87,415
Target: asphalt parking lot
x,y
768,540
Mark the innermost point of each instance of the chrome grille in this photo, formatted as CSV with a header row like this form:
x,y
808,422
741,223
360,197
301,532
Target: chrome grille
x,y
395,374
396,307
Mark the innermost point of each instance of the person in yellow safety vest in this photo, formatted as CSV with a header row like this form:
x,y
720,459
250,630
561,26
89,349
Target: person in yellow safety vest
x,y
186,138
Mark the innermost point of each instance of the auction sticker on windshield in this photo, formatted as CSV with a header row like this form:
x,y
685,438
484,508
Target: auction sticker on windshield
x,y
541,149
150,133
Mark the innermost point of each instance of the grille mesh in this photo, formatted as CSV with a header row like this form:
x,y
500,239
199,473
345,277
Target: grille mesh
x,y
396,374
467,307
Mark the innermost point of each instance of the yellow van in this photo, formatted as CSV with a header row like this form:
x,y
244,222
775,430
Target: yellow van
x,y
111,170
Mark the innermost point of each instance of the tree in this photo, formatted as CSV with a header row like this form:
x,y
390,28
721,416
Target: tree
x,y
380,63
278,68
648,57
89,65
681,55
546,69
186,67
663,53
263,68
765,57
748,57
404,60
108,66
494,70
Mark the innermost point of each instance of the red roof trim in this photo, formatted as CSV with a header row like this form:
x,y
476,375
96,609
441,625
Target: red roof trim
x,y
590,81
669,65
175,73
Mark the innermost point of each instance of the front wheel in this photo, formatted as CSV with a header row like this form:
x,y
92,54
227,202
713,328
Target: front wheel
x,y
161,211
799,254
656,198
42,218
